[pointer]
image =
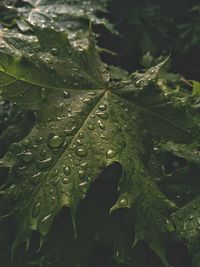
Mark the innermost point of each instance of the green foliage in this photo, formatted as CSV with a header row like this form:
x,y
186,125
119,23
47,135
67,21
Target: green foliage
x,y
157,27
111,159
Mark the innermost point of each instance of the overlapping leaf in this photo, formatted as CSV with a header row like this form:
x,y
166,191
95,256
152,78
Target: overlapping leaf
x,y
71,16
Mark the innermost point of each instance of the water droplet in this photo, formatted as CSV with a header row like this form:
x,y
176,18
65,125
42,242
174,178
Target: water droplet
x,y
156,150
46,218
83,187
81,152
26,156
102,107
190,217
81,135
36,178
110,153
43,164
67,170
92,93
36,210
87,101
70,130
55,182
43,93
81,173
90,127
79,142
55,141
55,173
194,206
102,115
54,51
101,125
65,180
123,202
66,94
84,165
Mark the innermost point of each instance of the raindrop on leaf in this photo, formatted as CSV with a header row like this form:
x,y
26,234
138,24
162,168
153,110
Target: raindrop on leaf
x,y
55,141
26,156
67,170
43,164
83,187
65,180
81,152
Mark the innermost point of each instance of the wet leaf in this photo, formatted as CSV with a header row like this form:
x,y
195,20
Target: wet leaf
x,y
83,125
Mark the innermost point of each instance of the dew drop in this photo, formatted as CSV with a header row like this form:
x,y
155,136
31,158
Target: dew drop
x,y
102,115
83,187
65,180
46,218
55,182
55,141
66,94
54,51
70,130
102,107
123,202
79,142
26,156
110,153
67,170
36,178
36,210
87,101
90,127
156,150
190,217
84,165
81,173
43,93
55,173
43,164
72,147
194,206
101,125
81,152
81,135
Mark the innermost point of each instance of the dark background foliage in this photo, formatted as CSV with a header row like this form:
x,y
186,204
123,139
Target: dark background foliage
x,y
171,27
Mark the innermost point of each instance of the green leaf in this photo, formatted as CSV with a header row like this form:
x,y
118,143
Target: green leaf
x,y
70,16
186,218
196,88
84,125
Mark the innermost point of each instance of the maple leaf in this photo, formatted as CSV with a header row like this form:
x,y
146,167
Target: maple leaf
x,y
84,125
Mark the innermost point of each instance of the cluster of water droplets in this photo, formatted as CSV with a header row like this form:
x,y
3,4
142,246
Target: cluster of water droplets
x,y
188,221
